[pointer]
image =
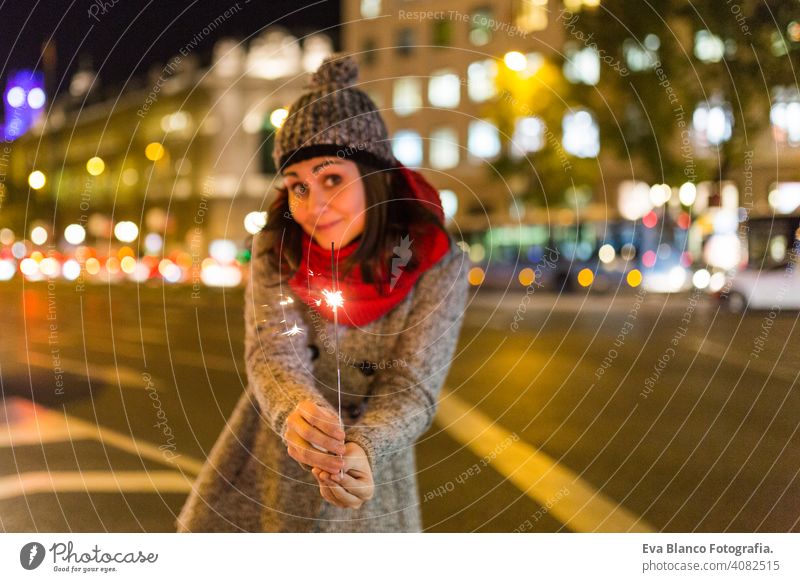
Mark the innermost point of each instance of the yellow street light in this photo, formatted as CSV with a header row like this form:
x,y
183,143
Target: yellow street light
x,y
36,180
154,151
95,166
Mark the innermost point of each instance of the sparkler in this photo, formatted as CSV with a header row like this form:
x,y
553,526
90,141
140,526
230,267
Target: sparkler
x,y
335,300
294,330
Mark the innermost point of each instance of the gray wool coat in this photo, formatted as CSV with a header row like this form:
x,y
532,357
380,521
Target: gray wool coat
x,y
394,367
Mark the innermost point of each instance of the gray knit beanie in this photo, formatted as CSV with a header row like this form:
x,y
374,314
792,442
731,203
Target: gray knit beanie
x,y
333,118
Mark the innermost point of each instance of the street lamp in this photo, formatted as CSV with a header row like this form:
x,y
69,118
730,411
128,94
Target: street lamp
x,y
36,180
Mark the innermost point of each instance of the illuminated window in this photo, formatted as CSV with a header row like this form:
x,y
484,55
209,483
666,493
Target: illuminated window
x,y
712,123
778,44
785,197
407,95
708,47
449,203
581,135
370,8
785,116
641,56
483,140
443,148
480,80
480,26
581,65
444,89
528,136
531,15
407,147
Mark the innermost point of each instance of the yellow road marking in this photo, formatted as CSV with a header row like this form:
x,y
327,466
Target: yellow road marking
x,y
583,509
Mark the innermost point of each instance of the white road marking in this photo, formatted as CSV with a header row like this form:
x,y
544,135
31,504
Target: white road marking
x,y
127,377
24,427
29,423
137,447
583,509
718,351
93,482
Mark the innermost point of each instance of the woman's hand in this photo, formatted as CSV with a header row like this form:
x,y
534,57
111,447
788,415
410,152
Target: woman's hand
x,y
351,490
311,424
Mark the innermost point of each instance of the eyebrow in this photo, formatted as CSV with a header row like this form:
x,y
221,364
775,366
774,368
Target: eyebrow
x,y
317,167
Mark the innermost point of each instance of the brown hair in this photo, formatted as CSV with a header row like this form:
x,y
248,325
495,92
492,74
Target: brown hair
x,y
392,212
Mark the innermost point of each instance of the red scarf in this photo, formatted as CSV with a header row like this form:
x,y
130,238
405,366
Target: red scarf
x,y
363,303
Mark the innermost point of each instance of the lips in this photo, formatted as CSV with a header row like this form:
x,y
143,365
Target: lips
x,y
327,225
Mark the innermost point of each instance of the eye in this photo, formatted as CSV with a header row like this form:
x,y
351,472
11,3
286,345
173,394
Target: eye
x,y
299,189
332,180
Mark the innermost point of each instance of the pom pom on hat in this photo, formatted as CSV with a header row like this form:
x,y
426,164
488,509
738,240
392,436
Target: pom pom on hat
x,y
337,70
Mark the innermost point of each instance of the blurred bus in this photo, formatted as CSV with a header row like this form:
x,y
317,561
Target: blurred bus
x,y
590,253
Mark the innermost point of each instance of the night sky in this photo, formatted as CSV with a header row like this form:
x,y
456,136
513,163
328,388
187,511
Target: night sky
x,y
150,31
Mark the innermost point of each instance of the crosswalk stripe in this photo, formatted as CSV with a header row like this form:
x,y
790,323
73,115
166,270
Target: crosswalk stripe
x,y
582,508
51,426
136,447
127,377
93,481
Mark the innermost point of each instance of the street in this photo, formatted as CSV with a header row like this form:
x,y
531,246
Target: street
x,y
585,412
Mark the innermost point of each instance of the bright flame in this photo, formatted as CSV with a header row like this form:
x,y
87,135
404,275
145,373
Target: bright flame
x,y
334,299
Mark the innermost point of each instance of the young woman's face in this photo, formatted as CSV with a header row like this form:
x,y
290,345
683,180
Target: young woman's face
x,y
327,199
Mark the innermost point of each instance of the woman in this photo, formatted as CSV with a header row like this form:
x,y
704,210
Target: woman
x,y
285,462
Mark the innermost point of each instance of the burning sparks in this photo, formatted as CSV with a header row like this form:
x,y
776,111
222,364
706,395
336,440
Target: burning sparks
x,y
334,299
294,330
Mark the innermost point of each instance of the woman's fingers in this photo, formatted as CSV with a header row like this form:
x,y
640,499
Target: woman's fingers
x,y
361,488
355,459
343,496
325,490
300,450
323,419
313,435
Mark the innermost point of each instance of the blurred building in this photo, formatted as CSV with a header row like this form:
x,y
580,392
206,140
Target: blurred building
x,y
184,152
433,68
449,77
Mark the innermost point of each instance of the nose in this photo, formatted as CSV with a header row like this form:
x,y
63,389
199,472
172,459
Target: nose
x,y
316,201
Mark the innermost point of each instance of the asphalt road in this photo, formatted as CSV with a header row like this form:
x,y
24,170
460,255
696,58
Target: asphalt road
x,y
635,412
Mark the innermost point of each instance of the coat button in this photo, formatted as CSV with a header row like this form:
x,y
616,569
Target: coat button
x,y
366,368
314,351
355,410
